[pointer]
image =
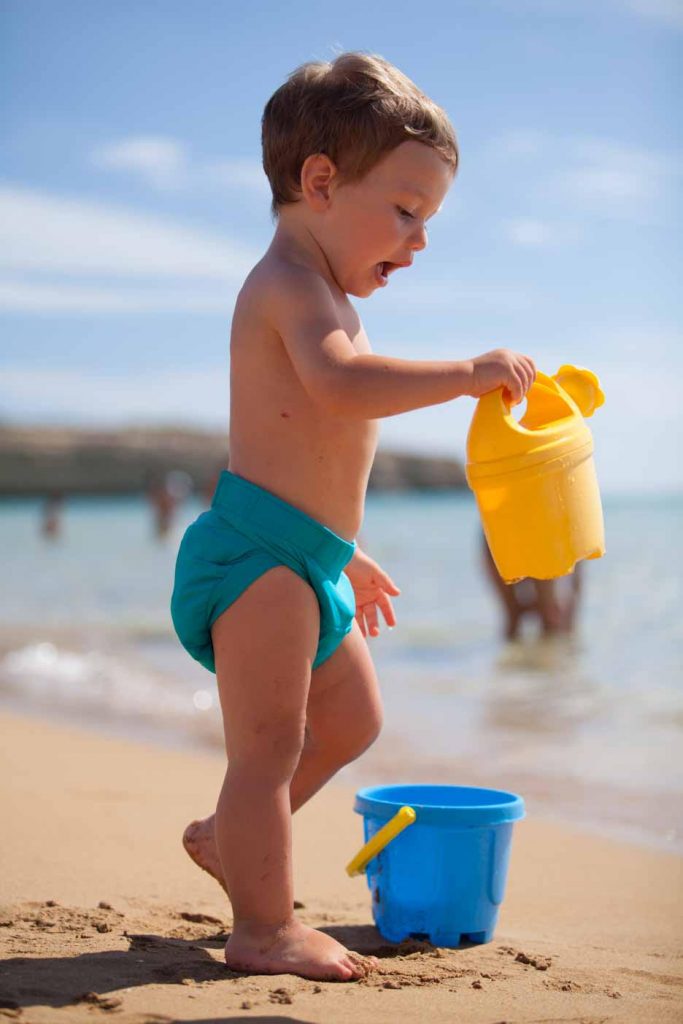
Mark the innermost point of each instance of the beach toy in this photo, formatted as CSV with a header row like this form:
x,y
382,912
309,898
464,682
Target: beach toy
x,y
534,480
401,820
443,878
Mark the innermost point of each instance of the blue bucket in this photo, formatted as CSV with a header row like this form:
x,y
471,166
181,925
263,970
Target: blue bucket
x,y
443,877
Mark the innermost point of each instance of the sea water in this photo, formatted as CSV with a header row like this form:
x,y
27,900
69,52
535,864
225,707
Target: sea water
x,y
587,729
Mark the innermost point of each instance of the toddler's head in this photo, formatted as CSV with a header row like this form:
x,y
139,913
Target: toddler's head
x,y
355,109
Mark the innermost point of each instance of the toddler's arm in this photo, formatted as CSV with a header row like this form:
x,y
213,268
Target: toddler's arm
x,y
373,387
367,386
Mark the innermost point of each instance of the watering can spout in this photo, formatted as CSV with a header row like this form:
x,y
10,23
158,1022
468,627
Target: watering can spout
x,y
583,386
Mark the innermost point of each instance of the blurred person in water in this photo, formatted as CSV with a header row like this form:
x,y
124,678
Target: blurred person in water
x,y
164,493
52,515
553,602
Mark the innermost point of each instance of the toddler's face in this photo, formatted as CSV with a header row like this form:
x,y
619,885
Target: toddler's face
x,y
376,225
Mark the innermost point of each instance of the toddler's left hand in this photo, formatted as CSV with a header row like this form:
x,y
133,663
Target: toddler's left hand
x,y
372,587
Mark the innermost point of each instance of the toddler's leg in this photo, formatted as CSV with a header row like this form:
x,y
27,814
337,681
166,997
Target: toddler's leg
x,y
264,646
343,717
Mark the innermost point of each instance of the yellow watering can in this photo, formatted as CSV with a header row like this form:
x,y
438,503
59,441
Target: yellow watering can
x,y
534,480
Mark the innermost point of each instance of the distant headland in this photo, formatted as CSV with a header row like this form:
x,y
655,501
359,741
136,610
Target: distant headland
x,y
40,460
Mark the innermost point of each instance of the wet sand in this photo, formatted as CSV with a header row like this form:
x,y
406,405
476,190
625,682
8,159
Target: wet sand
x,y
103,915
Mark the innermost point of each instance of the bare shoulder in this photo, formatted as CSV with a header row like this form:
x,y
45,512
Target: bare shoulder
x,y
282,289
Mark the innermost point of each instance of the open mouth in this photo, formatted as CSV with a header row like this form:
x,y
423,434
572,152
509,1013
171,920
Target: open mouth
x,y
385,268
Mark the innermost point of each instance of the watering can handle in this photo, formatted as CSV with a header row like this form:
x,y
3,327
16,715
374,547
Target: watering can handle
x,y
542,380
582,386
406,816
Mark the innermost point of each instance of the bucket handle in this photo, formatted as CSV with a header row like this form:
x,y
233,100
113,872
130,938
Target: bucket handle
x,y
406,816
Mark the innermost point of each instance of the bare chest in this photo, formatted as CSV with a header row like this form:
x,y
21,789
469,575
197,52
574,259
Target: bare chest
x,y
284,441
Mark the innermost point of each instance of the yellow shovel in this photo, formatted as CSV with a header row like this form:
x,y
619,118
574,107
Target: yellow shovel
x,y
406,816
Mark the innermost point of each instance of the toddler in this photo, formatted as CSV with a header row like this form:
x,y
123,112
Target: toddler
x,y
272,592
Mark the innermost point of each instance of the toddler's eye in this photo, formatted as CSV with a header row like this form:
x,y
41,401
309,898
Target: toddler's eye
x,y
405,213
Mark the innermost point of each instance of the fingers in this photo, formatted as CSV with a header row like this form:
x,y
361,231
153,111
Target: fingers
x,y
387,609
522,376
367,617
370,611
390,586
528,371
515,388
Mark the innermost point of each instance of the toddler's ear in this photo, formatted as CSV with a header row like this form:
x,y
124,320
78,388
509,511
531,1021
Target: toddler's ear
x,y
317,174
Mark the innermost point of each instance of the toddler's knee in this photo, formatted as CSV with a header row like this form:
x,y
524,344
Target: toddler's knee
x,y
273,754
364,736
375,725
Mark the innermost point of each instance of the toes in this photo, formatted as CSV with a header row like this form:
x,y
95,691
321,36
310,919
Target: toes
x,y
363,964
356,966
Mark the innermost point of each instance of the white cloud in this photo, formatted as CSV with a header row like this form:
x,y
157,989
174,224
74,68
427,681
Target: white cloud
x,y
588,176
518,143
667,12
165,164
237,173
19,296
537,234
670,12
614,179
527,232
191,395
160,161
43,232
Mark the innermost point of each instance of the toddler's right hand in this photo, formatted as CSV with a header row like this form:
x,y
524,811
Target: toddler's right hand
x,y
503,368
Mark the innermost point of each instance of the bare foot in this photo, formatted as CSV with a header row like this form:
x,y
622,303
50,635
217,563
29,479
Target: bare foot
x,y
295,949
200,843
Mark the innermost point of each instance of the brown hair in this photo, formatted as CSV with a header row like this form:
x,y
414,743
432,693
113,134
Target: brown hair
x,y
354,109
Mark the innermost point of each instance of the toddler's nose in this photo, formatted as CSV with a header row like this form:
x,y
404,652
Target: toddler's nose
x,y
419,238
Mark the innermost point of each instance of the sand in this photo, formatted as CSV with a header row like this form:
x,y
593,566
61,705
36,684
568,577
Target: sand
x,y
104,916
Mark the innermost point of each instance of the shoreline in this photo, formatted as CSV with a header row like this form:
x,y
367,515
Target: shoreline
x,y
99,898
589,736
381,769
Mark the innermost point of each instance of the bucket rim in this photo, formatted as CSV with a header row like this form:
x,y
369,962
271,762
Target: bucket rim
x,y
383,801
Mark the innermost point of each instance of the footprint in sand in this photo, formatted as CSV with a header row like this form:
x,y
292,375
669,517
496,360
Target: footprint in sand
x,y
101,1002
541,963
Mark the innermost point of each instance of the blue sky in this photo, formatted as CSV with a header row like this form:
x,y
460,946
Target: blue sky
x,y
132,203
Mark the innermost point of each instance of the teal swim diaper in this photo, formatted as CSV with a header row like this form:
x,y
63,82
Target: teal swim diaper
x,y
246,532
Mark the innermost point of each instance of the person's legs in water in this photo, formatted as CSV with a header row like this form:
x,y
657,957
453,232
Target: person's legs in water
x,y
557,602
554,601
517,599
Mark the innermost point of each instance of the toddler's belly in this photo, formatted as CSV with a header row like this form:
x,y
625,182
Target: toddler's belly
x,y
331,490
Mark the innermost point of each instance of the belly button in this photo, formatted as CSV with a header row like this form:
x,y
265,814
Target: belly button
x,y
285,415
